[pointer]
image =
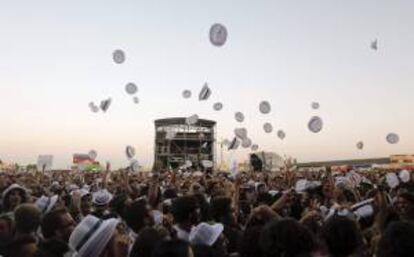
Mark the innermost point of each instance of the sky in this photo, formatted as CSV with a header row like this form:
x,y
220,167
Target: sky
x,y
55,58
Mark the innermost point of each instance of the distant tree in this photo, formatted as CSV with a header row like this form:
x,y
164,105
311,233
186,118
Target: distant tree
x,y
31,167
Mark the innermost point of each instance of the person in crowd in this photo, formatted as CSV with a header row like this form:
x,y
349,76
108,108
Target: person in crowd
x,y
6,231
138,216
56,227
57,224
397,240
342,237
118,205
86,202
221,211
53,248
404,203
145,243
203,251
173,248
27,218
101,200
81,204
186,212
23,246
204,207
249,244
13,196
286,238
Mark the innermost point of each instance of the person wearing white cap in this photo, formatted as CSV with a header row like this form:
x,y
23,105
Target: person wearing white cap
x,y
205,234
209,240
94,237
72,187
46,204
101,200
13,196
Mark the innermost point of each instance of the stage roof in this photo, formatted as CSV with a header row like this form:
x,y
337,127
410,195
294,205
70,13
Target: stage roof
x,y
181,120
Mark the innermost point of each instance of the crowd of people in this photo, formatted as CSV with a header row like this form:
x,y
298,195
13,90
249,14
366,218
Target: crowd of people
x,y
205,214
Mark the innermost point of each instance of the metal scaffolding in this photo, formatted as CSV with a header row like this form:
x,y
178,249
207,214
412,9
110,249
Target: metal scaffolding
x,y
177,142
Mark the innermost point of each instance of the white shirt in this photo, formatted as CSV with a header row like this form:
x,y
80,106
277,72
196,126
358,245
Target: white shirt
x,y
132,237
182,234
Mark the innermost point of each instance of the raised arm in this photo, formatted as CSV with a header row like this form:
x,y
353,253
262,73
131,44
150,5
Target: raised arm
x,y
153,191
